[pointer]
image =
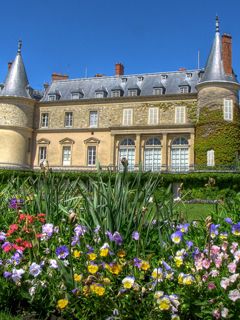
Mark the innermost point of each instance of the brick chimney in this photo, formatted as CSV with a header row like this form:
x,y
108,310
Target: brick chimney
x,y
227,53
59,76
9,65
119,69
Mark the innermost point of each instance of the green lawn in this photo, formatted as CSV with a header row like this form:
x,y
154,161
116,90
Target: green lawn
x,y
196,211
7,316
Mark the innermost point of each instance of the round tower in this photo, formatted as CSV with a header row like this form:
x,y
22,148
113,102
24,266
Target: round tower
x,y
217,130
16,117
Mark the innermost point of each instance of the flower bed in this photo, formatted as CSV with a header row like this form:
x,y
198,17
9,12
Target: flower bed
x,y
79,271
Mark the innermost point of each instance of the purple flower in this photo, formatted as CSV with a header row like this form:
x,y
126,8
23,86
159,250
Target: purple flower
x,y
80,230
62,252
2,236
117,238
189,244
137,262
90,249
97,229
214,230
75,240
16,258
228,220
109,234
47,229
7,274
15,203
53,263
183,227
17,274
135,235
166,266
236,229
35,269
176,237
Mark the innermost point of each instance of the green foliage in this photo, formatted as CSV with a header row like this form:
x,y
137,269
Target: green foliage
x,y
213,132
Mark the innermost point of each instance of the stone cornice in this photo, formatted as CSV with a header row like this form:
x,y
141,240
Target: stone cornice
x,y
17,100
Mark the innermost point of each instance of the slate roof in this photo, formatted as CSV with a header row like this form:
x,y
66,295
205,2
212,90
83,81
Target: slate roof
x,y
89,86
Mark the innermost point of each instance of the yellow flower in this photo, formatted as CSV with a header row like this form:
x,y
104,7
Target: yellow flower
x,y
62,303
76,253
157,274
106,280
164,303
92,256
178,260
158,294
180,278
104,252
145,265
128,282
99,290
85,290
77,277
115,269
188,280
121,253
92,268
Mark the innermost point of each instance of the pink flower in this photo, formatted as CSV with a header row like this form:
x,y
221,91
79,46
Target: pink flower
x,y
211,286
234,295
237,255
215,249
224,246
234,247
206,263
216,314
224,312
233,277
224,283
232,267
218,262
214,273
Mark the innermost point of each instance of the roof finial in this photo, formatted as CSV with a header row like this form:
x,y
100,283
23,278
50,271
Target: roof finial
x,y
217,23
19,46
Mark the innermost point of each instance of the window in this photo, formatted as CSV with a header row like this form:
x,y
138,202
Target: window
x,y
91,155
132,92
42,154
152,155
189,75
184,89
210,158
66,156
127,117
153,116
99,94
164,76
127,153
93,119
68,122
52,97
180,115
116,93
44,120
228,109
124,80
140,78
158,91
179,155
76,95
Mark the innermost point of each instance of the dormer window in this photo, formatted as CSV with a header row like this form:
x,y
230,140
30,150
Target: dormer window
x,y
189,75
52,97
184,89
124,80
158,91
133,92
101,93
76,95
140,78
116,93
164,76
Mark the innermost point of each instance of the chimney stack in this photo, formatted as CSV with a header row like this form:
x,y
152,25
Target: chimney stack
x,y
59,76
227,53
9,65
119,69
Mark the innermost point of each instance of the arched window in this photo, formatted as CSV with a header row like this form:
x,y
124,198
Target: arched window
x,y
126,152
180,154
152,155
210,158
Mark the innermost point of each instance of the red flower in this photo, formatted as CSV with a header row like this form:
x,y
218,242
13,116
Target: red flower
x,y
27,244
16,247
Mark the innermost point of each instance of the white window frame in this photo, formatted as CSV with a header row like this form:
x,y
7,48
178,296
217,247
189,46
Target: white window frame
x,y
42,154
99,94
52,97
127,117
210,158
116,93
44,120
153,113
132,92
228,109
91,155
158,91
66,156
75,96
180,114
93,119
68,119
184,89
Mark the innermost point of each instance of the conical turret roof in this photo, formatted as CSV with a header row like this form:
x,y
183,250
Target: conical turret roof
x,y
214,70
16,81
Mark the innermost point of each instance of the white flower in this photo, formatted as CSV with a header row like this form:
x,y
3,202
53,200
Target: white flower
x,y
233,277
53,263
234,295
224,283
17,274
224,312
32,291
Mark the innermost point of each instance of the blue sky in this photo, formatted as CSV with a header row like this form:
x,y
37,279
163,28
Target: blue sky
x,y
76,36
